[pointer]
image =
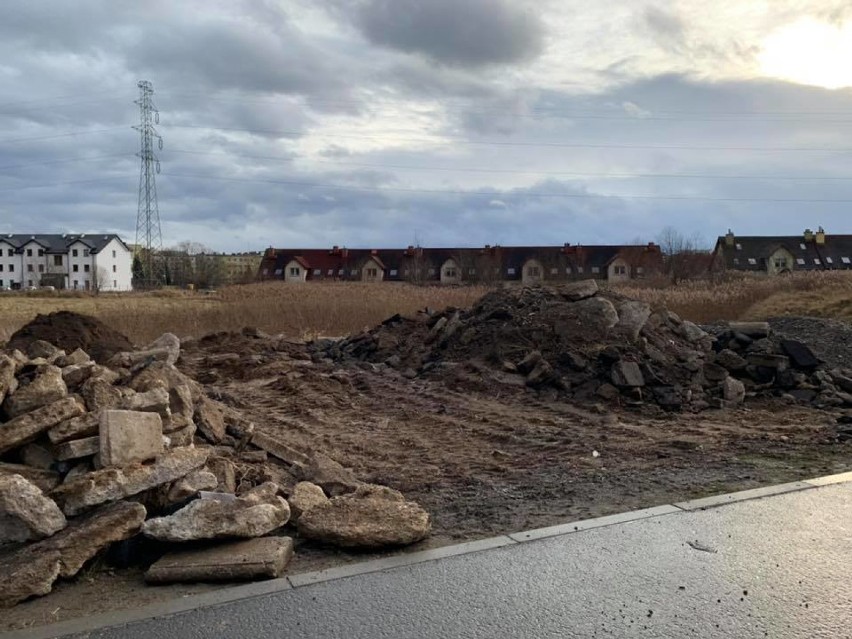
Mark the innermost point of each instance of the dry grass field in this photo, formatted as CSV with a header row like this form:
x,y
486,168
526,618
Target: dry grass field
x,y
311,309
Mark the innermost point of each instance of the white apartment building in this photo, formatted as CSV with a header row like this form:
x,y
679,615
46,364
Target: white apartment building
x,y
82,262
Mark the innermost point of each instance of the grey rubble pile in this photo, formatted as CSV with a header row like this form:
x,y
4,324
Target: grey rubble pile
x,y
93,455
583,344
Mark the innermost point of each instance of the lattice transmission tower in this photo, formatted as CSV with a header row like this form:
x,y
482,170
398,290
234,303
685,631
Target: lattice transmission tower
x,y
149,239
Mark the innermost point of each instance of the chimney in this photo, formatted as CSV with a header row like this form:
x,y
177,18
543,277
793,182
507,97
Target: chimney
x,y
820,236
729,239
809,235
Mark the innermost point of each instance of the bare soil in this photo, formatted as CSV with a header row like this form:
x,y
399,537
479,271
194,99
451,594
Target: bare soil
x,y
482,461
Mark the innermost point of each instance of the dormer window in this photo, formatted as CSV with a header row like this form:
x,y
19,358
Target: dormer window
x,y
846,260
752,261
803,247
739,246
800,261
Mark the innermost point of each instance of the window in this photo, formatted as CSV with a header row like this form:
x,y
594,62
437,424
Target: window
x,y
845,260
780,263
800,261
11,268
41,268
567,270
76,284
471,271
579,269
294,271
85,252
736,261
10,252
739,246
317,272
640,270
393,272
29,282
554,271
1,283
340,272
431,271
86,284
41,252
816,261
620,270
449,272
1,268
533,271
330,272
354,271
113,254
115,284
86,268
29,252
752,261
57,260
29,268
596,269
114,269
510,271
372,272
76,268
829,260
266,272
74,253
803,247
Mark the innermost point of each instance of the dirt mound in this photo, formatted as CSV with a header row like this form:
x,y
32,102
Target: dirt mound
x,y
69,331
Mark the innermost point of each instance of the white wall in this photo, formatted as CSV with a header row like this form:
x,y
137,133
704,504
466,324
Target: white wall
x,y
81,261
8,277
115,263
295,272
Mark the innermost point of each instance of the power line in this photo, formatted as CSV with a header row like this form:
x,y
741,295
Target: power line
x,y
51,184
62,135
495,194
588,145
451,169
67,160
54,99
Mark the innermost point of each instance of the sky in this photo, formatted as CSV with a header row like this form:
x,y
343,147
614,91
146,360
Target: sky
x,y
382,123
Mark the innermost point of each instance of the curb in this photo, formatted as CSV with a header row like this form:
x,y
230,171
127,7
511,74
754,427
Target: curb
x,y
258,589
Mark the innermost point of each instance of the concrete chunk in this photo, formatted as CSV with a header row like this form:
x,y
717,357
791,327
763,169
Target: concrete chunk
x,y
74,428
25,513
264,558
40,386
129,436
155,400
627,374
8,383
77,448
305,496
112,484
210,420
26,428
23,576
46,480
751,329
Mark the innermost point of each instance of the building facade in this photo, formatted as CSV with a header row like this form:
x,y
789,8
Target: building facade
x,y
780,254
526,264
77,262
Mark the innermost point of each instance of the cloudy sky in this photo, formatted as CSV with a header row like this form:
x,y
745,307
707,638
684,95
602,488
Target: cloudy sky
x,y
375,123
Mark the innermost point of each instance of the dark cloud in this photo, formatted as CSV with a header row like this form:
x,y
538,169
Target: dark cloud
x,y
467,33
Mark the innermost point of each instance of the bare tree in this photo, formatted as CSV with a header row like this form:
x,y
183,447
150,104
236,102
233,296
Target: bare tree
x,y
100,279
684,256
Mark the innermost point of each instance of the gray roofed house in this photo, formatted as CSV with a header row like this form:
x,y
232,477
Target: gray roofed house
x,y
778,254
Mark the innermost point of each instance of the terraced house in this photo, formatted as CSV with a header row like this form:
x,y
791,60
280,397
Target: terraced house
x,y
83,262
778,254
527,264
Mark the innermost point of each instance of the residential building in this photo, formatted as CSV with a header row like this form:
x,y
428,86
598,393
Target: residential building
x,y
240,267
82,262
527,264
779,254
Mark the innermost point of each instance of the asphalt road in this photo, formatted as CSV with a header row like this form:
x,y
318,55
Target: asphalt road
x,y
777,567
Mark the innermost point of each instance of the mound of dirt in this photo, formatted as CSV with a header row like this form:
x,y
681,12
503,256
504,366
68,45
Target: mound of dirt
x,y
69,331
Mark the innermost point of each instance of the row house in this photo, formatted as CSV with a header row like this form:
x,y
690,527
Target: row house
x,y
526,264
82,262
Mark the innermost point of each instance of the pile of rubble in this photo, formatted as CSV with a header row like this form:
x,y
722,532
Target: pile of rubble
x,y
580,343
94,456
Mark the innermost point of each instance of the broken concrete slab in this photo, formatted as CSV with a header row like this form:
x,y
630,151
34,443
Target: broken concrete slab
x,y
37,456
182,437
277,448
37,387
768,360
75,428
189,486
41,348
78,448
627,375
733,391
210,420
731,360
263,558
112,484
129,436
326,473
155,400
46,480
25,428
75,358
371,517
754,330
305,496
24,575
25,512
99,393
257,513
8,382
225,472
576,291
76,374
800,354
160,374
632,316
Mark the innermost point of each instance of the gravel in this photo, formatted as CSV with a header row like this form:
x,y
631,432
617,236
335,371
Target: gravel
x,y
830,340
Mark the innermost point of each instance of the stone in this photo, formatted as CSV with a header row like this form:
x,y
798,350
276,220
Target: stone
x,y
181,402
776,362
25,512
156,400
304,496
528,363
596,312
165,348
842,381
24,575
326,473
607,392
46,480
75,358
632,316
128,436
41,348
541,374
264,558
25,428
225,473
76,374
37,456
805,395
733,391
112,484
627,375
257,513
690,331
210,420
714,372
730,360
99,393
78,448
181,489
182,437
750,329
80,468
277,448
800,354
37,387
371,517
8,382
160,374
85,425
576,291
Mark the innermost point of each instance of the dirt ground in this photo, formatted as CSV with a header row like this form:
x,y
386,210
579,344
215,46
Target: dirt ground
x,y
481,462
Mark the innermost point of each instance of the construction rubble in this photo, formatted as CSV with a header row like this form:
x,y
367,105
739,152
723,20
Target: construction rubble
x,y
581,344
129,454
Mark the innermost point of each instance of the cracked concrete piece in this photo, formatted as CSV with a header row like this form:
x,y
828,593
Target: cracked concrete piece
x,y
129,436
25,428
